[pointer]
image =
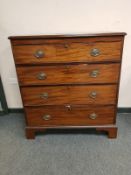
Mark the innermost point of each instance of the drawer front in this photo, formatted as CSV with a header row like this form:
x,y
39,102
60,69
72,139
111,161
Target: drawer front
x,y
63,116
62,95
68,74
67,52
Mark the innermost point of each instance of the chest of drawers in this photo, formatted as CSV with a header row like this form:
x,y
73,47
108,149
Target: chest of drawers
x,y
69,81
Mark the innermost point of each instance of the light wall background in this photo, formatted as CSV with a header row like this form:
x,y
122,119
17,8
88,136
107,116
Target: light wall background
x,y
30,17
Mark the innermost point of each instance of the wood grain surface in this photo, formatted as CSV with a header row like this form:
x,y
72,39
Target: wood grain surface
x,y
60,115
69,74
64,85
67,52
58,95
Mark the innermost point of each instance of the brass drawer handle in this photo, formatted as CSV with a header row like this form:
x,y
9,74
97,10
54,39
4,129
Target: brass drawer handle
x,y
46,117
94,73
95,52
93,94
41,76
93,116
44,95
39,54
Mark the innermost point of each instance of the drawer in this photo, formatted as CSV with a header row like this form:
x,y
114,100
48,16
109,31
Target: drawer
x,y
67,52
62,95
68,74
64,116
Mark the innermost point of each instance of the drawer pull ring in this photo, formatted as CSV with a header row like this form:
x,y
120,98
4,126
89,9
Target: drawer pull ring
x,y
41,76
93,116
94,73
39,54
95,52
46,117
44,95
93,94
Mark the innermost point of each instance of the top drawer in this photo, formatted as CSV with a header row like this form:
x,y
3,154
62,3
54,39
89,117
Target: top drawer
x,y
65,52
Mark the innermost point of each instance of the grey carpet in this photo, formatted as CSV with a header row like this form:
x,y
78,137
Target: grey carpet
x,y
59,153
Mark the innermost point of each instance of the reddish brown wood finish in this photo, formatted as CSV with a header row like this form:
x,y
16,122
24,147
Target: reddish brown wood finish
x,y
69,74
67,52
58,95
112,131
63,115
68,65
30,132
112,36
43,41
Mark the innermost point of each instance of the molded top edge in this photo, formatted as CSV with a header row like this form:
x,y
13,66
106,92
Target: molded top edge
x,y
66,36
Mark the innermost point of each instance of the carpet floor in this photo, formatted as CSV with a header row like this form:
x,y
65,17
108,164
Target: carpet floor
x,y
64,152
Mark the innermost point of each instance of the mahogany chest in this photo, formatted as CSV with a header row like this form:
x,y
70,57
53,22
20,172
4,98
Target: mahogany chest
x,y
69,81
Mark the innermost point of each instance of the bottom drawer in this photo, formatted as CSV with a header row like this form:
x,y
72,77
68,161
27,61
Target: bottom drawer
x,y
69,115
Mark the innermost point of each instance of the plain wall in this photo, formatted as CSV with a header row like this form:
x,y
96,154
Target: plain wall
x,y
30,17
